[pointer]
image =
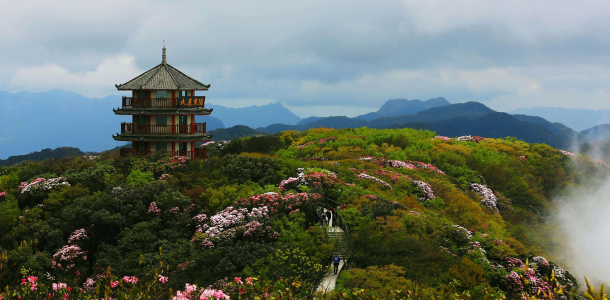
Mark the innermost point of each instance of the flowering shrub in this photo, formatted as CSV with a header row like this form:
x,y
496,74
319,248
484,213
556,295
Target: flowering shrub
x,y
41,184
566,153
489,199
394,176
421,165
317,142
537,279
440,137
65,258
164,177
219,144
173,162
91,157
601,163
154,209
294,182
477,139
426,188
464,138
2,194
232,223
77,235
277,203
366,176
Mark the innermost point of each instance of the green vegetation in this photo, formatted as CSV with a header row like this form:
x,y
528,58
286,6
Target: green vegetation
x,y
426,218
234,132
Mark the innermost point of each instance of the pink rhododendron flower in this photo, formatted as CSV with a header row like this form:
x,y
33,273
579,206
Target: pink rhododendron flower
x,y
59,286
426,188
130,279
190,288
114,284
489,199
163,279
238,280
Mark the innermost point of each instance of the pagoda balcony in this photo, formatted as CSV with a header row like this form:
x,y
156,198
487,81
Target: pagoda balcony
x,y
195,128
197,154
132,102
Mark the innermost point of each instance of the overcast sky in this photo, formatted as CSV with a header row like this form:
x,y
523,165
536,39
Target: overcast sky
x,y
319,57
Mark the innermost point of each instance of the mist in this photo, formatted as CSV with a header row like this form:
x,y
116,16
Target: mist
x,y
582,215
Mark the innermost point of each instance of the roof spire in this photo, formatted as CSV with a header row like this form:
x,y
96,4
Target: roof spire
x,y
164,60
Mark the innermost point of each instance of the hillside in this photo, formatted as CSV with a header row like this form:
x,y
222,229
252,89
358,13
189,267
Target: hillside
x,y
236,131
577,119
558,129
435,217
42,155
396,107
596,133
499,125
455,120
435,114
254,116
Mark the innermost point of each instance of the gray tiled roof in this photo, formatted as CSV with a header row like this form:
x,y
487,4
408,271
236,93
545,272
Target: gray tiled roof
x,y
163,77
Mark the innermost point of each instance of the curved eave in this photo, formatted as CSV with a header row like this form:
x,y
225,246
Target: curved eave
x,y
121,88
162,138
162,111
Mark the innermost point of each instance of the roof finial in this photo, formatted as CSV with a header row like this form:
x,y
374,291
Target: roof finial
x,y
164,60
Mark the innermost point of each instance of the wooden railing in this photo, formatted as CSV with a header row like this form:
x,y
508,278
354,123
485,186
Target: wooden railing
x,y
163,129
188,101
197,154
130,102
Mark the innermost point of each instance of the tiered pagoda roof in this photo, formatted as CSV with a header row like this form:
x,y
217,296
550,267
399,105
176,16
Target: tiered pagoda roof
x,y
163,77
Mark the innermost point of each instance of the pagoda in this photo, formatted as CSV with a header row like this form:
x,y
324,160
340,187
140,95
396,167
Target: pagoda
x,y
163,107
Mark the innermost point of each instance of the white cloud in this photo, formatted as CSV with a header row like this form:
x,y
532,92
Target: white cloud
x,y
95,83
524,20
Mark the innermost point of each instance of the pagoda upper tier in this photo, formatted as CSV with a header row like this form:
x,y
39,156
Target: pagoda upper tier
x,y
163,77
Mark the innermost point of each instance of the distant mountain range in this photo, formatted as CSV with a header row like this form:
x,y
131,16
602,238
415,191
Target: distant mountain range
x,y
397,107
59,118
254,116
577,119
470,118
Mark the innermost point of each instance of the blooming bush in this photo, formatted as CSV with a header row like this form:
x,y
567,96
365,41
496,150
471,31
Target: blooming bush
x,y
373,178
440,137
425,187
489,199
232,223
566,153
316,142
42,184
277,203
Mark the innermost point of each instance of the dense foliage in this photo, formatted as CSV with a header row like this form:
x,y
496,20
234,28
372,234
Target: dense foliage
x,y
427,216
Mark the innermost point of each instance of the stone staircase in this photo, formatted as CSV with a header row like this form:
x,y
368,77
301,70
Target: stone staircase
x,y
337,237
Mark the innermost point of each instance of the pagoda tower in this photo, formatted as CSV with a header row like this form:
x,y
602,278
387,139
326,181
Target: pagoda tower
x,y
163,107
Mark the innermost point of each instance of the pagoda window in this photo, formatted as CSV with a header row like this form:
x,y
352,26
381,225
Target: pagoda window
x,y
141,94
161,147
182,147
161,94
140,119
139,146
161,120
